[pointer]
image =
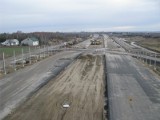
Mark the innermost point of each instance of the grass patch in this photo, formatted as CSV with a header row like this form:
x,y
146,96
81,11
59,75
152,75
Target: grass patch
x,y
8,51
150,43
151,46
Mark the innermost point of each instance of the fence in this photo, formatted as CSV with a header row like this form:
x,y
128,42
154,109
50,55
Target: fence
x,y
16,62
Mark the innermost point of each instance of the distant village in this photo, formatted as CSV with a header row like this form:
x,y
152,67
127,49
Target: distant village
x,y
50,38
26,42
40,38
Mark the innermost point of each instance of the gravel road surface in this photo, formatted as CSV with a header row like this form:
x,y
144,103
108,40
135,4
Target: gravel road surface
x,y
133,91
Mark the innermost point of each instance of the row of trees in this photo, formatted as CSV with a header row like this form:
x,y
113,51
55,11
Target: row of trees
x,y
44,37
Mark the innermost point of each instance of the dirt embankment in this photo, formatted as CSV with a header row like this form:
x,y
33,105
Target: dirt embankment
x,y
81,86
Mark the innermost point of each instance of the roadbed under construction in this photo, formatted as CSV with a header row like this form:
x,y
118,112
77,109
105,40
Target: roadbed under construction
x,y
81,86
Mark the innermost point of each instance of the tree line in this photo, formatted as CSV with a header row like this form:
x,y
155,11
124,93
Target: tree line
x,y
44,37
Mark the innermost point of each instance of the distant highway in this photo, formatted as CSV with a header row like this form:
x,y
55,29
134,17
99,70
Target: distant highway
x,y
131,47
126,48
133,90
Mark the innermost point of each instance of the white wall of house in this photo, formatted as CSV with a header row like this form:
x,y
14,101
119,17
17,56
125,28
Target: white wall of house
x,y
30,42
35,43
14,42
11,42
27,42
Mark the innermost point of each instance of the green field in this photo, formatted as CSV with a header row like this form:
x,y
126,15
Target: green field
x,y
149,43
152,45
8,51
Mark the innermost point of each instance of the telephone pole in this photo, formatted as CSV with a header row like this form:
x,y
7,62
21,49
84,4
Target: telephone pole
x,y
4,65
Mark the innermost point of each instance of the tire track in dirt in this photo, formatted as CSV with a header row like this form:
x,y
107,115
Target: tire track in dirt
x,y
81,85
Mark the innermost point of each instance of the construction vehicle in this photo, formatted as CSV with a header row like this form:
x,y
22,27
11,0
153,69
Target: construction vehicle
x,y
95,42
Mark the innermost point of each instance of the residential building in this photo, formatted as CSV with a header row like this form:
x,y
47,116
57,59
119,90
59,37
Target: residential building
x,y
30,42
10,42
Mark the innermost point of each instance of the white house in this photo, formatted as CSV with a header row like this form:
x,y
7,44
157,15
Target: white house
x,y
30,42
10,42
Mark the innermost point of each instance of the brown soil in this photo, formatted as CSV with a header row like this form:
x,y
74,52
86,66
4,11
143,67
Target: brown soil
x,y
80,85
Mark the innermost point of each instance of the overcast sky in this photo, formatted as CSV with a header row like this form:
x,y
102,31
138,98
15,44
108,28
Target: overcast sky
x,y
79,15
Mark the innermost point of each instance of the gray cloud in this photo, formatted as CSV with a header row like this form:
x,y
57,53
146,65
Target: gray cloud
x,y
77,15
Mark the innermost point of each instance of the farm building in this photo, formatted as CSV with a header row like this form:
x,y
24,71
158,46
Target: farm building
x,y
10,42
30,42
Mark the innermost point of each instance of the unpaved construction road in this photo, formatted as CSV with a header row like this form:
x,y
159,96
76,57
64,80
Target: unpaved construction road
x,y
17,86
81,85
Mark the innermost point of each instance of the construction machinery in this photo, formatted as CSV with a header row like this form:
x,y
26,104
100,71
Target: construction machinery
x,y
95,42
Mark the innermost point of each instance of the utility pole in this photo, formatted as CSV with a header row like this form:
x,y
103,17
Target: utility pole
x,y
155,61
35,49
4,65
47,50
146,57
39,53
30,55
22,58
150,59
140,55
44,51
52,49
14,59
143,56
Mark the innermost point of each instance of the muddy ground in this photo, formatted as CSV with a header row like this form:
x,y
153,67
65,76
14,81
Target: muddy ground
x,y
80,85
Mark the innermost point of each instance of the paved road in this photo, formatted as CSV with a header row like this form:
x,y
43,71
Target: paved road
x,y
15,87
141,52
83,44
133,91
131,47
110,44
